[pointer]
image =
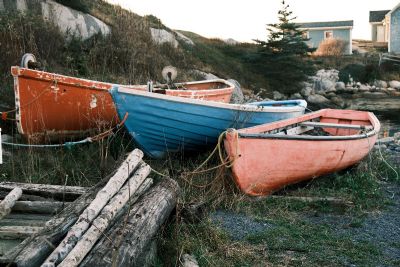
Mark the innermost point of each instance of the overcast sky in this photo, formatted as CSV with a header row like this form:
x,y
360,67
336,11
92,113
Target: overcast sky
x,y
247,20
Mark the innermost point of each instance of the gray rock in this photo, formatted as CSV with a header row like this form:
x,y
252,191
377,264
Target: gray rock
x,y
386,140
380,84
296,96
338,101
184,38
189,261
161,36
278,96
394,84
237,95
306,91
364,88
325,85
317,99
396,136
340,86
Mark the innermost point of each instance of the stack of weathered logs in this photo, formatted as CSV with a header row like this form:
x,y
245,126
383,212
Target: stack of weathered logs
x,y
112,223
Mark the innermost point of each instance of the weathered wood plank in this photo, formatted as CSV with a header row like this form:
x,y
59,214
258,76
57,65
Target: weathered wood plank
x,y
126,240
9,201
59,192
43,207
18,232
34,250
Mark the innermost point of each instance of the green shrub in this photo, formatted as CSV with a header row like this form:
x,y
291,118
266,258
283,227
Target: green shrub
x,y
359,73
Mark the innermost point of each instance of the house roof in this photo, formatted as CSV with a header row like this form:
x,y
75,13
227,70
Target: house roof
x,y
395,8
325,24
378,15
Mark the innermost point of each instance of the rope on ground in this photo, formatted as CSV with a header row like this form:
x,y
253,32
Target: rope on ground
x,y
71,144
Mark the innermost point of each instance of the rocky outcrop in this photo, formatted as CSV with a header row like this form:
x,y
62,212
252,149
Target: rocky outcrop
x,y
67,19
184,39
161,36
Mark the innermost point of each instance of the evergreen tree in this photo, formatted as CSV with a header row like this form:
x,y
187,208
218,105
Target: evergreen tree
x,y
283,58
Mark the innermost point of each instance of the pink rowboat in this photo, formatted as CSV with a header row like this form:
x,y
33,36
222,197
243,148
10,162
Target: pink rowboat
x,y
268,157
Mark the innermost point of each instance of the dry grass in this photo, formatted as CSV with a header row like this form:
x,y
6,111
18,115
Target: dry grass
x,y
332,47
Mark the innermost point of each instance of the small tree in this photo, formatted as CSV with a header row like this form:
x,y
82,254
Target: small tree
x,y
283,58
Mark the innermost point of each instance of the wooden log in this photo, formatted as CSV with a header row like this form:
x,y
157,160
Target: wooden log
x,y
43,207
9,201
16,222
34,250
92,211
126,240
59,192
101,223
18,232
24,197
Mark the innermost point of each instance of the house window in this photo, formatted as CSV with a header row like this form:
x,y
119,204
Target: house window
x,y
328,34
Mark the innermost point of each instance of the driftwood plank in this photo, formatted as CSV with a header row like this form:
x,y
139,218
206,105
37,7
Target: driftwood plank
x,y
58,192
126,240
34,250
9,201
18,232
42,207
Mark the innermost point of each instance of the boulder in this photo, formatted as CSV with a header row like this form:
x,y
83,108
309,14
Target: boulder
x,y
340,86
325,85
395,84
161,36
278,96
205,75
296,96
306,91
385,140
380,84
364,88
338,101
317,99
189,261
237,95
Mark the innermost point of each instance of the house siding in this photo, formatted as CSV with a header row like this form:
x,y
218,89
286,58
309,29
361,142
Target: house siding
x,y
317,36
394,46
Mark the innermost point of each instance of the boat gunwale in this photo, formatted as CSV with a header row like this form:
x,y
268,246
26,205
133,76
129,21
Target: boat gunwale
x,y
16,72
308,137
200,102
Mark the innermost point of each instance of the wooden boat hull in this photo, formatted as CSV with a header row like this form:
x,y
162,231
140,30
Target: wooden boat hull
x,y
160,124
265,163
52,107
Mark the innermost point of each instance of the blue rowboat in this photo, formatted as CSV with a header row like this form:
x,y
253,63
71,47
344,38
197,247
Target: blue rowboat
x,y
161,124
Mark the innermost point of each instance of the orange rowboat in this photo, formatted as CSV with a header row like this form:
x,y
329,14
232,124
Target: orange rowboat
x,y
270,156
53,107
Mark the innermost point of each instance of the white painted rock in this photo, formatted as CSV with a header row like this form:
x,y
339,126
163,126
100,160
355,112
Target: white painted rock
x,y
394,84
